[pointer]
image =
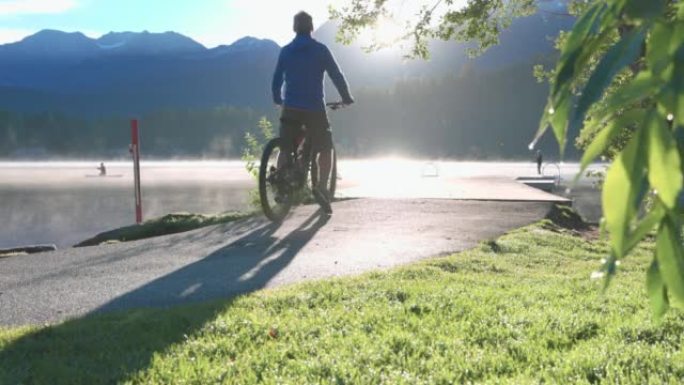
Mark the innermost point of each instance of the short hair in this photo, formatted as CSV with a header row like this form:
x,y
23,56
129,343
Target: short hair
x,y
303,23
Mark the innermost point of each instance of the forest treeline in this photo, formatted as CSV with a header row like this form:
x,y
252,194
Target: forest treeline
x,y
173,133
472,115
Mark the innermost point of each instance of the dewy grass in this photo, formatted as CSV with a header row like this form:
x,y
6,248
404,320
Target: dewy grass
x,y
519,310
168,224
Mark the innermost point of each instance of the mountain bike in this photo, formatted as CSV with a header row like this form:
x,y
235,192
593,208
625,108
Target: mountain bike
x,y
280,189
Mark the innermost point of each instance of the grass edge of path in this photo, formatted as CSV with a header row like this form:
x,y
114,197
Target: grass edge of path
x,y
165,225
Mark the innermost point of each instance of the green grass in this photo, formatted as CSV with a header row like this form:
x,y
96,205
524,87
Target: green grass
x,y
168,224
526,313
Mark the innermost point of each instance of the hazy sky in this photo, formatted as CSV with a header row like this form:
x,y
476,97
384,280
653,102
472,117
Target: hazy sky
x,y
210,22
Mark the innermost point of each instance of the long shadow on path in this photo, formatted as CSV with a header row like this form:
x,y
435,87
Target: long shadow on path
x,y
244,265
110,348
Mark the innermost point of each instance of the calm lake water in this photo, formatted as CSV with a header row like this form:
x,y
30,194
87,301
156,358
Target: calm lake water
x,y
64,203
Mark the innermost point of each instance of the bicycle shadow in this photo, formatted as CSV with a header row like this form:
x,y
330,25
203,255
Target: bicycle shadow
x,y
242,266
110,348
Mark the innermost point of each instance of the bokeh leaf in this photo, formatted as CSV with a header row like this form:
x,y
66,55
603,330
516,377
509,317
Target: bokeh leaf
x,y
670,256
657,292
664,165
603,138
643,85
558,117
585,26
621,190
677,85
658,54
644,10
645,226
620,55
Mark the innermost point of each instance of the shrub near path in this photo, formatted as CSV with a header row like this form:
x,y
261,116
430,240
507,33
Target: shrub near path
x,y
519,310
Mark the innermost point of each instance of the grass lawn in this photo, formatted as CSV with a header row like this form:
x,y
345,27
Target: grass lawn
x,y
519,311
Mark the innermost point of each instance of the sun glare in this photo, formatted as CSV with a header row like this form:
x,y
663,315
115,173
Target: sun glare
x,y
387,31
385,34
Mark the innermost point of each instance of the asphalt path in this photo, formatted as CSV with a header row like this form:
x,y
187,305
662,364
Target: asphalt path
x,y
244,256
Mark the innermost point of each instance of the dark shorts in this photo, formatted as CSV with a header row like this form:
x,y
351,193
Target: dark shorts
x,y
294,122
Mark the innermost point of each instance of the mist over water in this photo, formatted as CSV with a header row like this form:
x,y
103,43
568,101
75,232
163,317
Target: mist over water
x,y
66,202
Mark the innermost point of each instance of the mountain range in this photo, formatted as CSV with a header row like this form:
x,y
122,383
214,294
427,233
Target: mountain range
x,y
131,73
70,95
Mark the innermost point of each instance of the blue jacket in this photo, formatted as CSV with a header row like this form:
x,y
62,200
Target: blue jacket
x,y
301,66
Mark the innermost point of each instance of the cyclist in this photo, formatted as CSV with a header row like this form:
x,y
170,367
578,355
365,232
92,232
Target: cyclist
x,y
301,66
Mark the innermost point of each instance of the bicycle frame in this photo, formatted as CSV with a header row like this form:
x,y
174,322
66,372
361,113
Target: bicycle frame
x,y
289,179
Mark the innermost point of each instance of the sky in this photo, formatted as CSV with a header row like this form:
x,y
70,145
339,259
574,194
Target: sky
x,y
210,22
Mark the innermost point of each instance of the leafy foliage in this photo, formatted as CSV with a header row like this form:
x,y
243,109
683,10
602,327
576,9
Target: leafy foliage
x,y
651,34
621,76
251,154
254,146
479,21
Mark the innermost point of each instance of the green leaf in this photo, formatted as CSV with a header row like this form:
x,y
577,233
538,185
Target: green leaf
x,y
555,115
543,125
670,256
641,87
558,117
677,85
621,190
644,10
648,223
620,55
575,44
610,269
657,292
603,138
664,165
584,27
659,53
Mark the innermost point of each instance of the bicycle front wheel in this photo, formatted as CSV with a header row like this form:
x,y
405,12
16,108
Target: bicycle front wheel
x,y
274,192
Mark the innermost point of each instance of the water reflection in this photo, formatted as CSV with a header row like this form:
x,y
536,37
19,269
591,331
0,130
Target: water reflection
x,y
57,203
61,203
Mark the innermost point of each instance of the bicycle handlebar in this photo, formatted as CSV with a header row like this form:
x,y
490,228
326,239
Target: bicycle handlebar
x,y
336,105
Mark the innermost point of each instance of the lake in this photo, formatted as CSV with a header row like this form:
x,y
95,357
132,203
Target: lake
x,y
64,203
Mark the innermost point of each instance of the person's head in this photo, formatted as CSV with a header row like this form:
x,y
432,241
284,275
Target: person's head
x,y
303,23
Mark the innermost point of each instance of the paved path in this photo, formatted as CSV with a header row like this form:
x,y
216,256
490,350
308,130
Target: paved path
x,y
225,260
473,188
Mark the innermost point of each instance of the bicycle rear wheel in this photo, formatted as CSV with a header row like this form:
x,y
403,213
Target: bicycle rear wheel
x,y
274,193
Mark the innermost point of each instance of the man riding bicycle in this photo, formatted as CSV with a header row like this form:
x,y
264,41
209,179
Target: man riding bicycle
x,y
301,66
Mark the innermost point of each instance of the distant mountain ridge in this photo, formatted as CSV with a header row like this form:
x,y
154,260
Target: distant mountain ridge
x,y
133,72
53,42
129,73
450,106
147,43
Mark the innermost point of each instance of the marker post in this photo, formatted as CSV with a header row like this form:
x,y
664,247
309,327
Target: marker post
x,y
135,152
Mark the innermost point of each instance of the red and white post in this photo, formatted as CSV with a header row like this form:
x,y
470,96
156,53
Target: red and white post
x,y
135,152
